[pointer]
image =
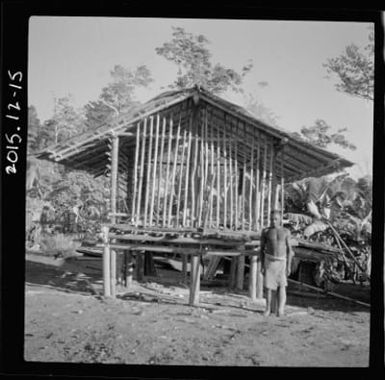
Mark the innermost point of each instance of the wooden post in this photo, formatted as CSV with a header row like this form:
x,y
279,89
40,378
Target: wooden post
x,y
165,222
184,268
129,269
114,176
233,272
259,290
240,272
194,280
139,266
160,176
253,277
154,170
137,147
106,263
113,273
125,268
143,152
173,175
180,178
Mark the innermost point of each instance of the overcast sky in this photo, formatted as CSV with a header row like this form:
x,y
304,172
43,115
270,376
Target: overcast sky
x,y
74,55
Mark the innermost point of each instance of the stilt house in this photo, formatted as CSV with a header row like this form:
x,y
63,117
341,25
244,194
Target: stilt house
x,y
191,159
194,165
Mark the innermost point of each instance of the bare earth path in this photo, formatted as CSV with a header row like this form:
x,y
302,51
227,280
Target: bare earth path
x,y
68,321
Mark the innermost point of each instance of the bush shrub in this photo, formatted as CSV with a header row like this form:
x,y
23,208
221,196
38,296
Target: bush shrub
x,y
58,244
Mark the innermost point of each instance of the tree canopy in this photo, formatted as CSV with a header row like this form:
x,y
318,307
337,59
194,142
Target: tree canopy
x,y
118,95
260,111
195,67
354,69
319,135
34,130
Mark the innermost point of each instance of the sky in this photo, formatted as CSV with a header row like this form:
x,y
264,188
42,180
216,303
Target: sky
x,y
74,55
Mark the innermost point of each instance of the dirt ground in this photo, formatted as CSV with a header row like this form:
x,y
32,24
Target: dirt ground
x,y
67,320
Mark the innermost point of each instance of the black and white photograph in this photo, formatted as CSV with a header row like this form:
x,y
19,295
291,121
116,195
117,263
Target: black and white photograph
x,y
198,191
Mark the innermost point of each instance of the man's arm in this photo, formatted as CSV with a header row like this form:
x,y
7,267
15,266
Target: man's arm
x,y
289,253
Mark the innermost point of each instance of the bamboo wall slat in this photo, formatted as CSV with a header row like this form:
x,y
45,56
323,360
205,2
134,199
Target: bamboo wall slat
x,y
224,182
199,173
148,173
173,175
187,172
166,182
231,188
211,211
193,182
179,200
218,190
159,189
263,185
251,209
142,155
155,164
236,183
257,189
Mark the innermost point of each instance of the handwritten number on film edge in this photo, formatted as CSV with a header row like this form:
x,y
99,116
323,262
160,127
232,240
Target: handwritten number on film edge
x,y
13,139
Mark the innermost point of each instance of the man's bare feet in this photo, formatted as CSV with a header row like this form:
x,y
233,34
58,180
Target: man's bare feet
x,y
280,313
266,313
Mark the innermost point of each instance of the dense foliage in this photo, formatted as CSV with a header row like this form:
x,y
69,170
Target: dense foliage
x,y
354,70
345,211
195,67
319,134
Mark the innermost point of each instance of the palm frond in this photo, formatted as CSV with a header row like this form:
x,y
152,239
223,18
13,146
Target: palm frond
x,y
299,218
317,226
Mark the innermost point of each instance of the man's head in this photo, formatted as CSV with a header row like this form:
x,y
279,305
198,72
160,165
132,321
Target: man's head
x,y
275,218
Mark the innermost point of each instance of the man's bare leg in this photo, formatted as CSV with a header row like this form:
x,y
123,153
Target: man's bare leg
x,y
268,303
281,301
274,301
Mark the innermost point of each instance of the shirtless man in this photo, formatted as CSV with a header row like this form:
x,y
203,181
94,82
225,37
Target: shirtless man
x,y
276,256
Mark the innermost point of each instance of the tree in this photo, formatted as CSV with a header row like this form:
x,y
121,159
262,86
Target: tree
x,y
65,122
355,70
319,135
34,127
119,95
195,67
260,111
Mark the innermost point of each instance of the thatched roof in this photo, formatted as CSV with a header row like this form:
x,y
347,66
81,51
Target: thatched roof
x,y
87,151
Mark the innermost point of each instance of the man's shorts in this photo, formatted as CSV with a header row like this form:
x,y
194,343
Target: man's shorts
x,y
275,273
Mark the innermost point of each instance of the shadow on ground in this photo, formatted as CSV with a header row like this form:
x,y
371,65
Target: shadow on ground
x,y
81,277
